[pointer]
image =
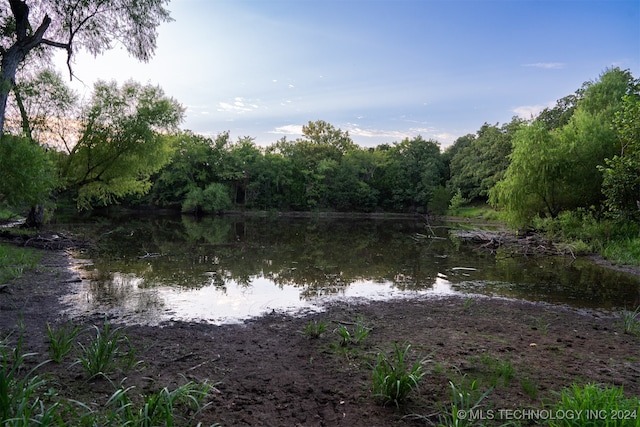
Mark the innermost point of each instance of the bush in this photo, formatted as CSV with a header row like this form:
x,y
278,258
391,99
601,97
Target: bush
x,y
213,199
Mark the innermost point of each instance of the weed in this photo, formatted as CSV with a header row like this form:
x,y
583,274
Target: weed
x,y
99,357
464,401
314,329
596,405
542,326
344,334
14,260
499,369
158,408
468,302
631,321
20,403
393,378
529,386
360,332
61,341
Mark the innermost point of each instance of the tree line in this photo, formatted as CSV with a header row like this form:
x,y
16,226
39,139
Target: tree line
x,y
126,147
125,144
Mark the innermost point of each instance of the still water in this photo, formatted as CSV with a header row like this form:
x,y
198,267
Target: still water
x,y
227,269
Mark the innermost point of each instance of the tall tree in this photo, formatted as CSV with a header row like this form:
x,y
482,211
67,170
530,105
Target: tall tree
x,y
125,137
92,25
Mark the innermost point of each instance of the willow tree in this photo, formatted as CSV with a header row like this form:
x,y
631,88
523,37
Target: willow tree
x,y
126,135
28,27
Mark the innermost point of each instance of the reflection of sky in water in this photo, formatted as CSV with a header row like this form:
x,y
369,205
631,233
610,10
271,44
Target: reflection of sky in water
x,y
126,298
226,270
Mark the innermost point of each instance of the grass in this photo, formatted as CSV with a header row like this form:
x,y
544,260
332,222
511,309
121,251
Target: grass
x,y
356,336
20,402
529,386
465,401
476,211
625,251
102,355
314,329
394,378
158,408
27,398
61,341
14,261
596,405
499,369
631,321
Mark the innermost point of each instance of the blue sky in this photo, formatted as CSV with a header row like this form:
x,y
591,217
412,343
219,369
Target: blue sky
x,y
383,70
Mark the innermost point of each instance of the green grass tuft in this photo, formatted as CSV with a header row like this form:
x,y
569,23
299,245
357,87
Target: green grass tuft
x,y
394,378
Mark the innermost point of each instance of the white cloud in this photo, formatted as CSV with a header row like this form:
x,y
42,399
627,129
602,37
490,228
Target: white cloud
x,y
546,65
287,130
530,111
238,106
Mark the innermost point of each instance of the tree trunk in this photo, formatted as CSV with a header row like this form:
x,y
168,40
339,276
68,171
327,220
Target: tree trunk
x,y
35,219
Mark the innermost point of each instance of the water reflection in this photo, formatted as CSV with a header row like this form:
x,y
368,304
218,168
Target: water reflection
x,y
225,269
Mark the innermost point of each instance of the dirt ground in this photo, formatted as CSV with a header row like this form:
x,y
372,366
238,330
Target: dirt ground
x,y
267,373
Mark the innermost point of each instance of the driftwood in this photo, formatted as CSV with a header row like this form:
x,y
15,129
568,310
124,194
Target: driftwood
x,y
517,244
50,241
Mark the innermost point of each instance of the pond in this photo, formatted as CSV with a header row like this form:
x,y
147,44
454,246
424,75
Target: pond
x,y
227,269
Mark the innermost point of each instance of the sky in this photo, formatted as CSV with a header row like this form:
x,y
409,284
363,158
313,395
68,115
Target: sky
x,y
383,70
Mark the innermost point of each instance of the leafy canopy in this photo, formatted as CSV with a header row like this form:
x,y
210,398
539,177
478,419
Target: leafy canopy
x,y
124,139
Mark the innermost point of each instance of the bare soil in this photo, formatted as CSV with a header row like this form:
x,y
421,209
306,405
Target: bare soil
x,y
267,373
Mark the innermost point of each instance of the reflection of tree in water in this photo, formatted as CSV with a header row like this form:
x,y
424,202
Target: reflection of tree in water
x,y
322,257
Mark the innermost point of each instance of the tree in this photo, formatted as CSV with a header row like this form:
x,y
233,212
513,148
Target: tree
x,y
483,159
44,105
412,172
556,169
72,25
27,173
124,138
621,182
195,163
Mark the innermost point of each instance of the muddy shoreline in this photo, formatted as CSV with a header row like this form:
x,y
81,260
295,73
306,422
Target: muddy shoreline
x,y
267,373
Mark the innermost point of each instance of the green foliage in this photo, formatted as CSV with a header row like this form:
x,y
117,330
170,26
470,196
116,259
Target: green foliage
x,y
213,199
101,355
124,140
394,378
192,165
27,172
14,260
464,401
631,321
595,405
456,202
476,167
534,181
20,401
625,251
314,329
556,169
61,341
356,336
621,182
159,408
